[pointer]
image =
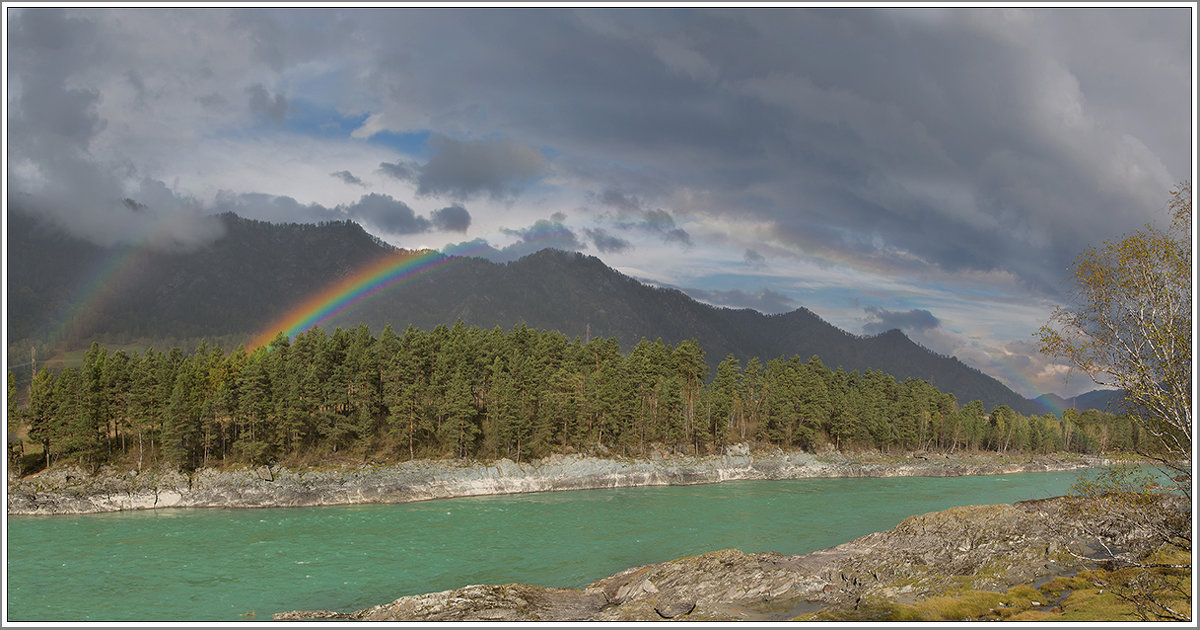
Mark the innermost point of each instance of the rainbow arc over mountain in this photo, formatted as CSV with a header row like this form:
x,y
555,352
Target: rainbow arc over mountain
x,y
389,271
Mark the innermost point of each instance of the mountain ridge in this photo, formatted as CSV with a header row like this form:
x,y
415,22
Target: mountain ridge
x,y
242,282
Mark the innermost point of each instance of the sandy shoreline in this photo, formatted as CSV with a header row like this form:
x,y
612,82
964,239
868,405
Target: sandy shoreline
x,y
73,491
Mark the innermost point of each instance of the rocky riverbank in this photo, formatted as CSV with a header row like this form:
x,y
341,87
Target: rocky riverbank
x,y
75,491
986,550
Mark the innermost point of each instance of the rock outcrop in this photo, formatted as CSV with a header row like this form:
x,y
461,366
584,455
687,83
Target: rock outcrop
x,y
74,491
992,547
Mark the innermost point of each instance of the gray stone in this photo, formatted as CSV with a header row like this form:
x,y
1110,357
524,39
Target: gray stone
x,y
77,491
674,609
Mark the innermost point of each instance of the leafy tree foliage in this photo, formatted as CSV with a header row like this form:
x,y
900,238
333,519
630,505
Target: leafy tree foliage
x,y
1131,327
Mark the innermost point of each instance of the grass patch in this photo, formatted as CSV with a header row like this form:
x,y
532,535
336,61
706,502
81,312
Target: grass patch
x,y
1098,595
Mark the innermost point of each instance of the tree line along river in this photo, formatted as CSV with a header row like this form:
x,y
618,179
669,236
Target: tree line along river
x,y
238,565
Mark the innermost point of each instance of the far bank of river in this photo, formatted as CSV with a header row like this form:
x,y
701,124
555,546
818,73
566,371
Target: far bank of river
x,y
73,491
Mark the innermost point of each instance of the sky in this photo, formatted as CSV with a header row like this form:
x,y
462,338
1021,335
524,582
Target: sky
x,y
934,170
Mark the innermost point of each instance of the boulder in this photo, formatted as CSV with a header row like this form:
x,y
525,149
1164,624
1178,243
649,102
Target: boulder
x,y
675,609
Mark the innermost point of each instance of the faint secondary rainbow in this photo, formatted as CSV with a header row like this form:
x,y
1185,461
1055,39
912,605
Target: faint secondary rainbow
x,y
1011,374
92,293
389,271
89,302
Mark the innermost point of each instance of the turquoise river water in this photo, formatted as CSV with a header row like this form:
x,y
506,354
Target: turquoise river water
x,y
220,564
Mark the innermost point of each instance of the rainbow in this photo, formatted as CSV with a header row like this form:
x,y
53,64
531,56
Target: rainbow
x,y
103,284
91,294
1015,379
339,297
390,270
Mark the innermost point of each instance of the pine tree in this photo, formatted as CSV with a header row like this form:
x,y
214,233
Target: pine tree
x,y
754,386
255,403
182,420
459,429
725,401
814,406
692,373
43,419
16,417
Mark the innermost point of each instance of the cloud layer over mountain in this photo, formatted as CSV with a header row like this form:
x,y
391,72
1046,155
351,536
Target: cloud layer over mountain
x,y
885,167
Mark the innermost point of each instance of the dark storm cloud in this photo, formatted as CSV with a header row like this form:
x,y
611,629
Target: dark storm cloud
x,y
451,219
405,172
764,301
53,124
919,141
274,208
464,169
285,39
262,103
375,211
47,48
953,140
544,233
388,214
660,222
916,320
211,101
605,242
620,200
475,248
348,177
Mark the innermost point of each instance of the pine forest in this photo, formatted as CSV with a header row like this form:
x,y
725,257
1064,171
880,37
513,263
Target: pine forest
x,y
465,392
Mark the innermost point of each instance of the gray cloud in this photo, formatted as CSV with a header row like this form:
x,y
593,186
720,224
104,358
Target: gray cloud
x,y
928,134
348,177
262,103
916,320
212,101
544,233
620,200
407,172
375,211
463,169
281,41
605,242
475,248
660,222
386,213
53,127
755,259
451,219
891,136
274,208
914,142
764,301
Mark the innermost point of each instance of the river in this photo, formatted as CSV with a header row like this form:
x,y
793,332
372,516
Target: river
x,y
242,565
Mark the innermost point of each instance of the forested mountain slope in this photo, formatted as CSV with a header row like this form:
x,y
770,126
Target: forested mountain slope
x,y
241,283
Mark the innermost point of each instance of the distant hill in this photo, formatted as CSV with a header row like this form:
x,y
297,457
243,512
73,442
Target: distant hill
x,y
1109,400
238,285
225,288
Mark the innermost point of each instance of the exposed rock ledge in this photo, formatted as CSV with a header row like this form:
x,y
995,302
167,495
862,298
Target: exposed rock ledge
x,y
989,548
73,491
